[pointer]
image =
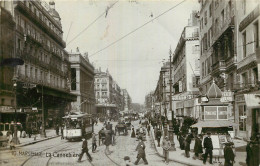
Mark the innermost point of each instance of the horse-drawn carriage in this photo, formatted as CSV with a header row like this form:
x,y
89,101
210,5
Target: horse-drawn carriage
x,y
121,127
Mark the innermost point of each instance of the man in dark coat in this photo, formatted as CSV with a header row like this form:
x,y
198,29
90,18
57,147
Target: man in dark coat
x,y
252,151
187,145
208,148
158,136
229,155
141,151
148,129
198,147
84,150
181,141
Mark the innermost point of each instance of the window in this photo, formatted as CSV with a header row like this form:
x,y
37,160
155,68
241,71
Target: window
x,y
222,18
244,79
41,76
242,117
2,101
73,79
256,35
203,69
244,44
31,71
12,102
255,75
215,112
19,44
209,65
205,17
244,6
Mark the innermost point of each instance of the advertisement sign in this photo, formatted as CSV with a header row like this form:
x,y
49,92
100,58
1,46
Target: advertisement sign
x,y
252,100
258,61
180,86
227,96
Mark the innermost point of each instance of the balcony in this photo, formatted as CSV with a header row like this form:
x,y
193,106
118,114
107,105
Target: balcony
x,y
231,62
248,61
244,87
218,67
34,18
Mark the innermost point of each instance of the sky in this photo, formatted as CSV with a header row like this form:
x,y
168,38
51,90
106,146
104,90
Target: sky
x,y
134,61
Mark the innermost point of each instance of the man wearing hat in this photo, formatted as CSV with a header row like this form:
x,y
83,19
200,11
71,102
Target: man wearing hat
x,y
84,150
208,148
141,151
166,145
229,154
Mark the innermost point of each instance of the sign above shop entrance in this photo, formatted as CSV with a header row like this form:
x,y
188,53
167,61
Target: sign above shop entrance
x,y
227,96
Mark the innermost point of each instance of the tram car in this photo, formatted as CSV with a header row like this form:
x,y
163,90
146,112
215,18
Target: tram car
x,y
77,126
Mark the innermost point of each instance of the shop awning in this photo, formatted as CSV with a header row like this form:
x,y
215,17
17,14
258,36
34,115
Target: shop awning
x,y
214,102
214,124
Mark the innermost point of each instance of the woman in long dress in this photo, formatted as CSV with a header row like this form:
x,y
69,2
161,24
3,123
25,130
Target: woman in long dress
x,y
133,133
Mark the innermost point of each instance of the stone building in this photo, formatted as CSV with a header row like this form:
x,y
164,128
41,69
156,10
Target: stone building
x,y
82,83
218,57
186,70
127,100
42,80
247,29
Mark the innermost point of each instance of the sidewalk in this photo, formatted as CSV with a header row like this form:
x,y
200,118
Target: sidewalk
x,y
179,155
50,133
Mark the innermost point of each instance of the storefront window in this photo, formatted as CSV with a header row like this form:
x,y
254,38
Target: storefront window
x,y
242,117
210,113
222,112
215,112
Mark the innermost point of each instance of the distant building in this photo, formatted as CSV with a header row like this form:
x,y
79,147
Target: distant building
x,y
127,100
82,83
109,99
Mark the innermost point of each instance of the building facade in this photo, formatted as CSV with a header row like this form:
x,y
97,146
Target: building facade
x,y
186,70
247,31
42,79
108,94
127,100
218,57
82,83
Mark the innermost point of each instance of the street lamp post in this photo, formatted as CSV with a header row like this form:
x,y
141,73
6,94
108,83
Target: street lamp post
x,y
165,129
15,138
171,133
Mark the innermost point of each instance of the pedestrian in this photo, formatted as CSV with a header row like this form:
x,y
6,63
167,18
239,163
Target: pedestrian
x,y
84,150
57,129
208,148
198,147
187,145
141,151
113,137
148,129
107,142
166,146
133,133
12,128
252,150
21,131
61,130
29,131
158,136
229,154
94,142
127,161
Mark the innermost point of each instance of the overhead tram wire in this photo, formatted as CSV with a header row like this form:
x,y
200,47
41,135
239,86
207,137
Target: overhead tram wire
x,y
91,23
136,29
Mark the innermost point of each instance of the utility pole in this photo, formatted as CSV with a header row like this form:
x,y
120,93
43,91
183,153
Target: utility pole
x,y
165,129
171,133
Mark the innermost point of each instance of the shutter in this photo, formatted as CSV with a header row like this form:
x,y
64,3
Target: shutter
x,y
194,82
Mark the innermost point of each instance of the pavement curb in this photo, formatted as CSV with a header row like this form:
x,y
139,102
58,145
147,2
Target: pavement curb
x,y
170,159
30,143
33,142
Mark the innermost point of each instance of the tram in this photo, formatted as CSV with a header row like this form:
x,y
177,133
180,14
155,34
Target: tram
x,y
77,125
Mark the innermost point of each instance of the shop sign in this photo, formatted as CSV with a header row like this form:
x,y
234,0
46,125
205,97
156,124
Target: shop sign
x,y
243,117
258,61
6,109
252,100
183,97
227,96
